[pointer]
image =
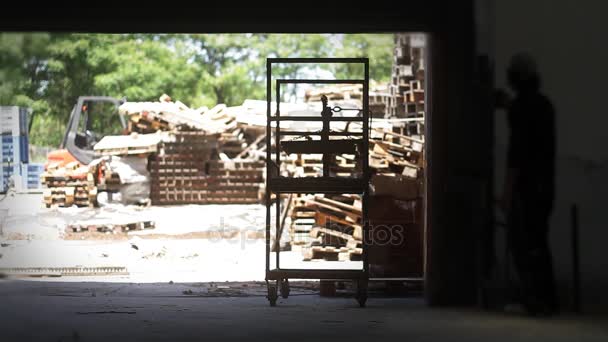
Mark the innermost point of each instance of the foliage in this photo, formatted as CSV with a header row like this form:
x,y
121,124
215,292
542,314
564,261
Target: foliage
x,y
47,72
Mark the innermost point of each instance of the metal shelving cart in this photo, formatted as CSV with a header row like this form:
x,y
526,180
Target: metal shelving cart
x,y
277,279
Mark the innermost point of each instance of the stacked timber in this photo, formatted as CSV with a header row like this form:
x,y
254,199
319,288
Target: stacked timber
x,y
187,171
168,116
69,185
327,227
396,153
406,90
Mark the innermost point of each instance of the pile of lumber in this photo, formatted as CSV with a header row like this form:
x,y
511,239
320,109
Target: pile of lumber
x,y
69,185
396,153
326,227
330,227
166,115
187,171
217,182
186,168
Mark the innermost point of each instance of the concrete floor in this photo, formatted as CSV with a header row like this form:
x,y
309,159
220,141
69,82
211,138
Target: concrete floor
x,y
43,311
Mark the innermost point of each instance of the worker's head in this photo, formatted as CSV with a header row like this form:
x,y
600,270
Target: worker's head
x,y
522,73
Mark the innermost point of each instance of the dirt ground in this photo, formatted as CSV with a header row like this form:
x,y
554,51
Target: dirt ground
x,y
189,243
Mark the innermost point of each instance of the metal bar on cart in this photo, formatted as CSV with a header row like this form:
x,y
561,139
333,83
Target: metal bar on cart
x,y
316,118
318,81
268,160
277,247
333,133
325,184
366,175
316,60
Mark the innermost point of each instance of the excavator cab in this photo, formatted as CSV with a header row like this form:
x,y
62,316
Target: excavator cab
x,y
92,118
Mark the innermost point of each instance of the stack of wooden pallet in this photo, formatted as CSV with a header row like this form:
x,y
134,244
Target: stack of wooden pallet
x,y
397,153
69,185
187,171
132,144
326,227
407,83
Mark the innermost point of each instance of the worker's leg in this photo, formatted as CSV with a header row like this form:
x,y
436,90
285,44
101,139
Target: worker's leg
x,y
544,280
518,246
542,293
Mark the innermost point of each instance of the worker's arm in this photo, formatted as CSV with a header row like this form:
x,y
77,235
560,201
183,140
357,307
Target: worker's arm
x,y
507,191
515,153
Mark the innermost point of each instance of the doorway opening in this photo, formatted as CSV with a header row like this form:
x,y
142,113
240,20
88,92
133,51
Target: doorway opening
x,y
176,191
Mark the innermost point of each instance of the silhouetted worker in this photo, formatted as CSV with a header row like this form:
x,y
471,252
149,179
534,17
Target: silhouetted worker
x,y
529,185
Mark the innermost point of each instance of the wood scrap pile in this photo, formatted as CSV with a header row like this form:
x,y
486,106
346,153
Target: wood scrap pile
x,y
396,153
168,116
329,227
69,185
326,227
186,168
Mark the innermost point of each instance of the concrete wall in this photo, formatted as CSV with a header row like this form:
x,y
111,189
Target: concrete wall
x,y
568,39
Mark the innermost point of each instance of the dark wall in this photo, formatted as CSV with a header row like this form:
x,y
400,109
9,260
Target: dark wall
x,y
567,39
457,175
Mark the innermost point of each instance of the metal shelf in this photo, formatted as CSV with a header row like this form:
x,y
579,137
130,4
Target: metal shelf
x,y
352,143
278,274
317,185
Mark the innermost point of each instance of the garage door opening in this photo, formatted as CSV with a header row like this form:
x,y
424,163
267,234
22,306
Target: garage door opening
x,y
141,158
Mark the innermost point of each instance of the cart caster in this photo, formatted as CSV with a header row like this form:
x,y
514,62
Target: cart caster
x,y
361,292
284,288
272,294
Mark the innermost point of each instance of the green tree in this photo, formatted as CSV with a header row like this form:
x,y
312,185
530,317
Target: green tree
x,y
377,47
47,72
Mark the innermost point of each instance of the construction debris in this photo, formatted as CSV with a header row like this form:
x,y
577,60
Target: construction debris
x,y
330,227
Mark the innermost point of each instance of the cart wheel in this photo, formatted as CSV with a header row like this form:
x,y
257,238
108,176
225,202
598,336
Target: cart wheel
x,y
362,292
284,288
272,294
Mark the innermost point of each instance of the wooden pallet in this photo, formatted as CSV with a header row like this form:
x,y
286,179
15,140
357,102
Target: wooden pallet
x,y
181,181
81,196
331,253
80,227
